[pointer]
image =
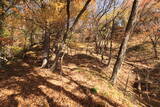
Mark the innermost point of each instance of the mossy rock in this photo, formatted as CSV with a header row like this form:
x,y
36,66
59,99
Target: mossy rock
x,y
94,90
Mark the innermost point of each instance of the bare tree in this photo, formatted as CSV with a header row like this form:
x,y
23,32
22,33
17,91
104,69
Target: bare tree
x,y
150,24
153,27
106,30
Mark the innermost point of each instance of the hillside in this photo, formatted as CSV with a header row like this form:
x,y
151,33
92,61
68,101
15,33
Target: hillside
x,y
83,82
79,53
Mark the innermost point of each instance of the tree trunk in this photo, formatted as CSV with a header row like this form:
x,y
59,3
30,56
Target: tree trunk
x,y
46,49
155,50
110,52
123,47
110,38
154,45
57,65
31,39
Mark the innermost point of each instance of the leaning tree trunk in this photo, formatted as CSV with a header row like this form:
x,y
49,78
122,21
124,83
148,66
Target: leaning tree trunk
x,y
46,47
123,47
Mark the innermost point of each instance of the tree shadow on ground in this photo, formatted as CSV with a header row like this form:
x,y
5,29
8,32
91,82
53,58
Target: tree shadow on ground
x,y
142,53
94,65
150,97
143,61
83,60
88,92
26,81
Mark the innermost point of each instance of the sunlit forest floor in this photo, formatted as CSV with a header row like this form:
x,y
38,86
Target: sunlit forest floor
x,y
83,83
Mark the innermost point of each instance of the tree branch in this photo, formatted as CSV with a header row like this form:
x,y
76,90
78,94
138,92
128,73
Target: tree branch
x,y
80,14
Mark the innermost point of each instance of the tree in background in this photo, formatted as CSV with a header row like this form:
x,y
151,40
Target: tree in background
x,y
150,25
